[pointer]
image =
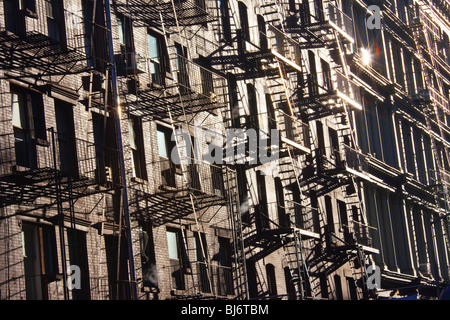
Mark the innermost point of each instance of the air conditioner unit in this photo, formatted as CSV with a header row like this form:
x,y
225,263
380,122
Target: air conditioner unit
x,y
132,63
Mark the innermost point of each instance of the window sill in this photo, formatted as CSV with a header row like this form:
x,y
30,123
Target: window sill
x,y
139,180
28,13
42,142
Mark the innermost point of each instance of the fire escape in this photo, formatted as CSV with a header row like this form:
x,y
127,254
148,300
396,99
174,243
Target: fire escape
x,y
44,168
332,93
432,98
179,92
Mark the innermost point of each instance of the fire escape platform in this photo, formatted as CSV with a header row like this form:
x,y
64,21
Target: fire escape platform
x,y
172,203
155,104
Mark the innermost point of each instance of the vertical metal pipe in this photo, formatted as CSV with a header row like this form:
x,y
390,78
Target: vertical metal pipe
x,y
120,148
60,217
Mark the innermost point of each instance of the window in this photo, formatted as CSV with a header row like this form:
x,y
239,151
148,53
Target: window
x,y
374,135
243,16
182,67
326,76
66,138
244,203
419,154
253,121
262,32
137,147
376,51
234,101
206,76
338,287
402,8
79,257
194,168
14,20
167,166
283,217
270,112
408,147
359,20
397,64
117,264
344,220
298,209
271,281
225,16
329,213
320,137
40,259
334,145
262,214
105,144
225,274
55,22
290,289
28,123
176,256
217,179
28,5
95,34
318,9
312,76
148,260
323,285
203,271
125,29
315,211
159,60
252,279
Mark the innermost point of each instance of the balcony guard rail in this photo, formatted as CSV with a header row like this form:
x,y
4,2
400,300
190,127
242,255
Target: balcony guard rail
x,y
201,176
303,217
340,20
353,233
293,129
417,16
273,40
306,217
197,278
78,158
105,288
355,159
194,78
60,40
147,12
194,89
335,17
348,90
439,99
283,44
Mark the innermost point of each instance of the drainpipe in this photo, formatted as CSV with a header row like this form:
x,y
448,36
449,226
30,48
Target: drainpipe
x,y
120,147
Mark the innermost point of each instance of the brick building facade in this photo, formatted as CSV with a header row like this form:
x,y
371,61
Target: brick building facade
x,y
111,111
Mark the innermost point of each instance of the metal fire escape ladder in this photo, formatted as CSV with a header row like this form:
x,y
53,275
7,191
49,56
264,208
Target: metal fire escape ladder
x,y
360,255
184,169
434,108
298,241
234,213
295,260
